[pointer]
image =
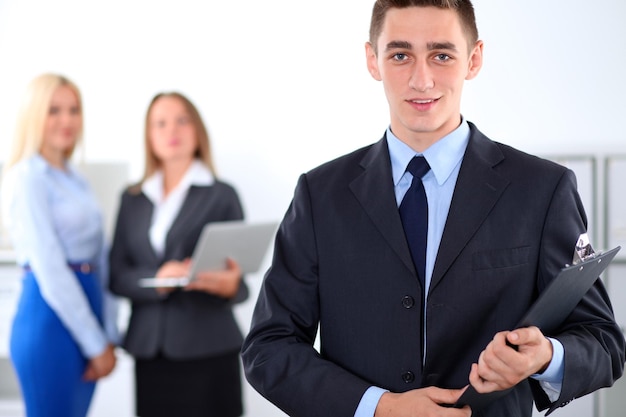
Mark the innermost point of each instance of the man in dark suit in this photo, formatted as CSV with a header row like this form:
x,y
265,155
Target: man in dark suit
x,y
396,341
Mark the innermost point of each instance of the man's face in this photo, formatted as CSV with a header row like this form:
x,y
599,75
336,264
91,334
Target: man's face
x,y
423,61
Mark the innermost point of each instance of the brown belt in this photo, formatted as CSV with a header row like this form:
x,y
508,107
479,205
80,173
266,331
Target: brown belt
x,y
83,267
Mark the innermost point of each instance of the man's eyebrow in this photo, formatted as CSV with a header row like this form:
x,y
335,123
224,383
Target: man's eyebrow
x,y
432,46
441,45
398,45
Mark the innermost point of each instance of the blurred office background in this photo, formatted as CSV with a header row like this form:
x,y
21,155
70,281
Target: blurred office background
x,y
283,87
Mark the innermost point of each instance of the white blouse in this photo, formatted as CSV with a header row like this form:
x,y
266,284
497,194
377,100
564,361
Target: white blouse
x,y
167,208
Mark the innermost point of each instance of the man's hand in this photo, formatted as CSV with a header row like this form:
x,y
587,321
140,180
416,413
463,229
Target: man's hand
x,y
422,402
501,366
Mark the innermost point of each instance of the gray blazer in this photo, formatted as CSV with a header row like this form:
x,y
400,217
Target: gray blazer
x,y
181,325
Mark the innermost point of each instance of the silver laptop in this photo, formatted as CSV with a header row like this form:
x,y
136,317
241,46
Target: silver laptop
x,y
246,243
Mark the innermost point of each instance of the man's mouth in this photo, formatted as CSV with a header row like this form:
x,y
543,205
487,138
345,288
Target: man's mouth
x,y
425,101
423,105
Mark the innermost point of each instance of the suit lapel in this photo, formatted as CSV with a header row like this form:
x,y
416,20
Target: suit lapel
x,y
184,221
375,191
477,190
142,211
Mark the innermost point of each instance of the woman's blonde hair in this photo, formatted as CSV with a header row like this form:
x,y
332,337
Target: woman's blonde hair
x,y
203,152
32,116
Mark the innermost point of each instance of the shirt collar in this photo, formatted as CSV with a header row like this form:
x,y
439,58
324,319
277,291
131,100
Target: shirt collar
x,y
442,156
42,164
197,174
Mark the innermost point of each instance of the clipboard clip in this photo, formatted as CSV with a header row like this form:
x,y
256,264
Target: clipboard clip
x,y
583,251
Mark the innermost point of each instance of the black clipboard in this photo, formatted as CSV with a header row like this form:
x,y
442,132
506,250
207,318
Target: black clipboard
x,y
550,309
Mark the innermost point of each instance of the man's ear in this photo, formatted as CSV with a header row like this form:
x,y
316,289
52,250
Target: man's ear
x,y
475,61
372,61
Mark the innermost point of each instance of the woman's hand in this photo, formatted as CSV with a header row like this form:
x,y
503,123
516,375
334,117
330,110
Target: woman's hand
x,y
101,365
223,283
172,269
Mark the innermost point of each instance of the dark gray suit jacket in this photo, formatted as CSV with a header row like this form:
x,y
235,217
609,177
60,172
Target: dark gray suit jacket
x,y
181,325
341,261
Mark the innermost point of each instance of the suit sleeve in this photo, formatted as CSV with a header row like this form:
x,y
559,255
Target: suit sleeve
x,y
593,342
124,273
235,212
279,358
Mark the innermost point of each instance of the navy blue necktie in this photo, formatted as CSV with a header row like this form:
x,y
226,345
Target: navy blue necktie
x,y
414,215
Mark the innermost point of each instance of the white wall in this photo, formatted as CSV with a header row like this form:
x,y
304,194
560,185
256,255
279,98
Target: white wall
x,y
283,86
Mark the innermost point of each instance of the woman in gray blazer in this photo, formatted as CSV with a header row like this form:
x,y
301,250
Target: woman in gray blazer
x,y
185,340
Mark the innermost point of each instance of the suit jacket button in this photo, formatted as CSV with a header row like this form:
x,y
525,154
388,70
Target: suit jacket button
x,y
408,301
408,377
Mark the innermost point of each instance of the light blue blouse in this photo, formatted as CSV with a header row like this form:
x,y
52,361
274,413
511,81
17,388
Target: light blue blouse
x,y
54,219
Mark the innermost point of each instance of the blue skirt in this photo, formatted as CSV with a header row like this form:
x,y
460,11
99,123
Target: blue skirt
x,y
47,360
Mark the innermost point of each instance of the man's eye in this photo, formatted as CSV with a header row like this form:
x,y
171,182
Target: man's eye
x,y
442,57
399,57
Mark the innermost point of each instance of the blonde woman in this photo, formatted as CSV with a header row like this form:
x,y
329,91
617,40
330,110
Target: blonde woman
x,y
63,333
185,341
